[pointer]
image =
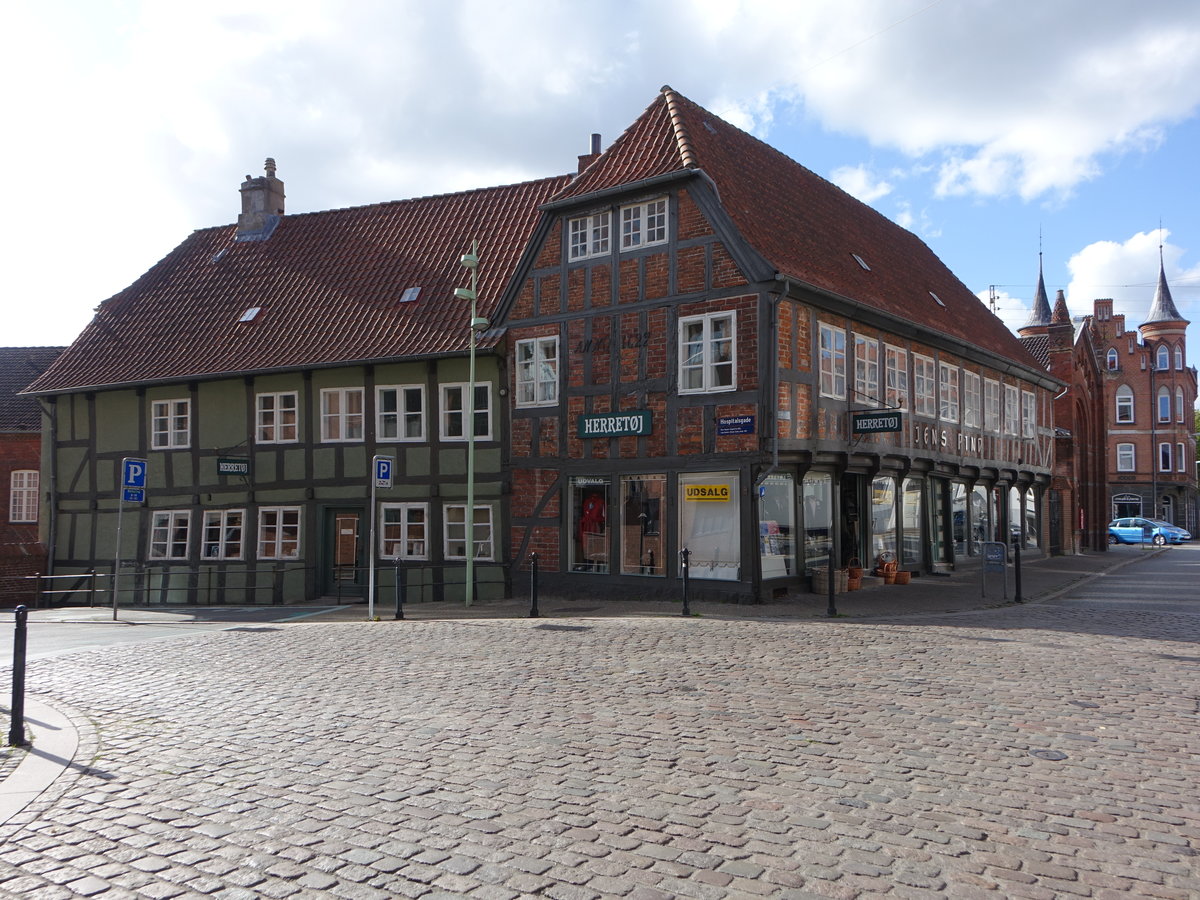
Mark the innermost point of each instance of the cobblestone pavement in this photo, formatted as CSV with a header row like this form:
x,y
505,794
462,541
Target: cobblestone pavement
x,y
1046,751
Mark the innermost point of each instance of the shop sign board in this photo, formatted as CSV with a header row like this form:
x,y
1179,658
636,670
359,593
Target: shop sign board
x,y
233,465
875,422
633,422
995,555
718,493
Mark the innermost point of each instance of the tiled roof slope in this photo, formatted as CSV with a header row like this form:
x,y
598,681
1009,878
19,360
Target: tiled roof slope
x,y
806,227
1038,346
18,367
329,285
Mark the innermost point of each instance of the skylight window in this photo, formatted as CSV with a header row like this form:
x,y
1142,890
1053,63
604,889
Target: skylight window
x,y
937,298
248,315
858,259
216,257
410,294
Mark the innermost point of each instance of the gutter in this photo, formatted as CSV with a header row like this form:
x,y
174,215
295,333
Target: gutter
x,y
628,188
776,299
52,517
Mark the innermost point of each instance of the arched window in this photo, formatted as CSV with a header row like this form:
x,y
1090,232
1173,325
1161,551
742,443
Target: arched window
x,y
1163,358
1178,404
1112,360
1125,405
1164,405
1179,358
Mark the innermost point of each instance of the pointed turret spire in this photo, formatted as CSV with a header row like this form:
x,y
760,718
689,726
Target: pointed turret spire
x,y
1163,309
1040,316
1061,315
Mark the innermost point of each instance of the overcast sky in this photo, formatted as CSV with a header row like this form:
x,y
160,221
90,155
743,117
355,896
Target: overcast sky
x,y
978,125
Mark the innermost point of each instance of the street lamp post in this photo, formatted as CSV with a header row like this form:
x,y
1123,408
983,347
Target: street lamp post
x,y
470,261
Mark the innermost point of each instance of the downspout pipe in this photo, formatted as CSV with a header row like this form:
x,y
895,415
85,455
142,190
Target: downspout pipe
x,y
50,410
774,334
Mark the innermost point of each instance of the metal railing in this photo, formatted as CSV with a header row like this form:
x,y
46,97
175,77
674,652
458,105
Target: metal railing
x,y
142,584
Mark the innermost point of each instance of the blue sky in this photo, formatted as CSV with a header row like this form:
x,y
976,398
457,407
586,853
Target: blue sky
x,y
978,125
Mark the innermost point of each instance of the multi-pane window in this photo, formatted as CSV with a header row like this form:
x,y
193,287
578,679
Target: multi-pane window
x,y
1178,357
405,531
276,418
1164,458
833,362
1180,458
896,373
342,414
866,370
279,532
454,411
1125,458
991,405
1028,414
643,224
23,496
924,386
223,530
455,526
1178,404
1012,409
1164,405
169,534
1112,360
971,400
400,412
589,235
707,353
1124,405
948,393
537,371
170,424
1163,358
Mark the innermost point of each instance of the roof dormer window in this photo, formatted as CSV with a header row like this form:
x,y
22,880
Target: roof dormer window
x,y
589,235
643,224
862,262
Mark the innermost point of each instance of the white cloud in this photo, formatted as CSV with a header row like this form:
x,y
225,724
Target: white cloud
x,y
1127,272
860,182
1013,311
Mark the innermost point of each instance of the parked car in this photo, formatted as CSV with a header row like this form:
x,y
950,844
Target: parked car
x,y
1138,530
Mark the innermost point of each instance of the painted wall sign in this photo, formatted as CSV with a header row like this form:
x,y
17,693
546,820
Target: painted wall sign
x,y
233,466
876,422
735,425
632,422
709,492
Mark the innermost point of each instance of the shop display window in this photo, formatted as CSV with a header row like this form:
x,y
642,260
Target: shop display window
x,y
776,526
642,499
818,520
709,524
589,524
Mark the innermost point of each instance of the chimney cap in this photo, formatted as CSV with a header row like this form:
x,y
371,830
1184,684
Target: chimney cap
x,y
269,167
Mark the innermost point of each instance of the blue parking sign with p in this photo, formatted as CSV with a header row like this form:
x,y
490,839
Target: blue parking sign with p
x,y
383,471
133,473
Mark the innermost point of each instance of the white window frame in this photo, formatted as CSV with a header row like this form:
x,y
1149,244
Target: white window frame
x,y
711,356
1165,457
165,525
1179,404
23,500
1181,457
896,375
644,224
1113,362
453,410
171,424
866,370
1163,403
948,398
339,426
408,545
399,419
537,371
832,352
1162,358
1126,458
590,235
924,386
1012,410
216,534
454,532
971,417
1179,358
1124,401
268,427
991,405
280,518
1028,414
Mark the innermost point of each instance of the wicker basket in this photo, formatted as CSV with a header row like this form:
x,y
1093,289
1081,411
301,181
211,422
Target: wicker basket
x,y
820,581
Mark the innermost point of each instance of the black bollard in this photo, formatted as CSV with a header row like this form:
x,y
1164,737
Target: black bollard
x,y
831,610
16,731
1017,572
400,586
684,554
533,586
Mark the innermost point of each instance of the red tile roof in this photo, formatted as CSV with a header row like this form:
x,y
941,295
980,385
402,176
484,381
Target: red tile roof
x,y
806,227
328,284
18,367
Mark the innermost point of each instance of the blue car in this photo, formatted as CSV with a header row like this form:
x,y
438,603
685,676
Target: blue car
x,y
1149,531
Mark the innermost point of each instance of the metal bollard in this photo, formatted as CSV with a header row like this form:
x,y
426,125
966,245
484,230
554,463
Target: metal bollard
x,y
533,586
16,731
400,588
831,609
1017,573
684,555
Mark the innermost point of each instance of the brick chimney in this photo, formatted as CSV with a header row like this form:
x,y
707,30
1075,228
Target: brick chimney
x,y
262,205
588,158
